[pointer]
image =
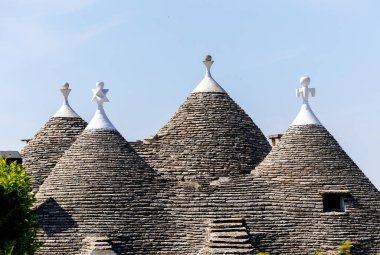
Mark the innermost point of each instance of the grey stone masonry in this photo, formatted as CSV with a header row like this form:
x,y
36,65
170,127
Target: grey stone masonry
x,y
43,151
194,206
100,187
203,185
208,141
282,201
307,163
209,136
227,236
95,245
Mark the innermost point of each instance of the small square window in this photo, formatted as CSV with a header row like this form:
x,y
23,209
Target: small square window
x,y
333,202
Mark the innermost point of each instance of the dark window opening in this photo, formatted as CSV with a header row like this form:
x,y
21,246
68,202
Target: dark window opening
x,y
333,202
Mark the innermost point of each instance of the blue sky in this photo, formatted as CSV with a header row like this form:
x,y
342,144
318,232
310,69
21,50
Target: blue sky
x,y
149,55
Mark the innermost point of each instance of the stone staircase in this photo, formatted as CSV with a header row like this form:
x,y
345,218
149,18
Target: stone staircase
x,y
228,236
97,246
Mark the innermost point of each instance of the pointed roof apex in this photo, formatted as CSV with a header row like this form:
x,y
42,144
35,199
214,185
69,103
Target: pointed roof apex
x,y
208,84
306,115
66,110
100,120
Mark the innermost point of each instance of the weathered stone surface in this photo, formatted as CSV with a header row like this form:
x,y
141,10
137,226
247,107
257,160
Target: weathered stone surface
x,y
100,187
209,137
208,141
281,201
211,194
227,236
94,245
43,151
307,162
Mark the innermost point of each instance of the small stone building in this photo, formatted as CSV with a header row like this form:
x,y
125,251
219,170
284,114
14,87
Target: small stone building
x,y
100,193
207,183
11,156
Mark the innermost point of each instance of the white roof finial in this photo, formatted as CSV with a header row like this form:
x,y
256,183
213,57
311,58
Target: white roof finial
x,y
208,84
65,90
100,119
305,116
305,91
65,110
208,63
100,94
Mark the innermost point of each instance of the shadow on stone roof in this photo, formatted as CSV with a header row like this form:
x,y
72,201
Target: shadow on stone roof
x,y
53,218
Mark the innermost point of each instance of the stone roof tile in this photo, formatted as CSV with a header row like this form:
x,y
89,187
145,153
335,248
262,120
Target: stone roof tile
x,y
209,136
42,152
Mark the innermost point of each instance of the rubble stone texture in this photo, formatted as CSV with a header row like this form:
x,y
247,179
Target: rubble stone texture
x,y
228,236
281,201
97,246
209,141
206,185
307,163
100,187
209,137
278,208
43,151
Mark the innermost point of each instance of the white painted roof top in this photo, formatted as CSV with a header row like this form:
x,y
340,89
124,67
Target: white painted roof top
x,y
66,110
208,84
306,115
100,120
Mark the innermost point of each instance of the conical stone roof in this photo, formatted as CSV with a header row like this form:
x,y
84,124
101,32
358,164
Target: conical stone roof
x,y
209,141
281,202
209,137
307,164
99,188
43,151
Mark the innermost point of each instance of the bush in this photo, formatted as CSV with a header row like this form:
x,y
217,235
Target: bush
x,y
17,220
345,249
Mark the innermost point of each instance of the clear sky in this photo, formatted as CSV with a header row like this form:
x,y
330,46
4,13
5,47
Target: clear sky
x,y
149,55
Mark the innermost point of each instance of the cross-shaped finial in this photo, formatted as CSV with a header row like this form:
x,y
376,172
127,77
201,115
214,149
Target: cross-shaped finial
x,y
100,94
65,90
305,91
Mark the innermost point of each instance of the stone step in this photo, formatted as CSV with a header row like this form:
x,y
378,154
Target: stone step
x,y
218,229
229,240
231,251
228,236
225,225
235,234
227,220
229,245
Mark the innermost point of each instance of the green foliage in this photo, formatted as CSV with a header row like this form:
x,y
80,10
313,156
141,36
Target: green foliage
x,y
17,221
345,248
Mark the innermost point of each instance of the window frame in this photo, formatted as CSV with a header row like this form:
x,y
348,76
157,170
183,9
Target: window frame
x,y
342,194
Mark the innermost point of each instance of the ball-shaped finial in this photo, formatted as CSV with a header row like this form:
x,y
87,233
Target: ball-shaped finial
x,y
305,81
100,84
65,85
208,58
